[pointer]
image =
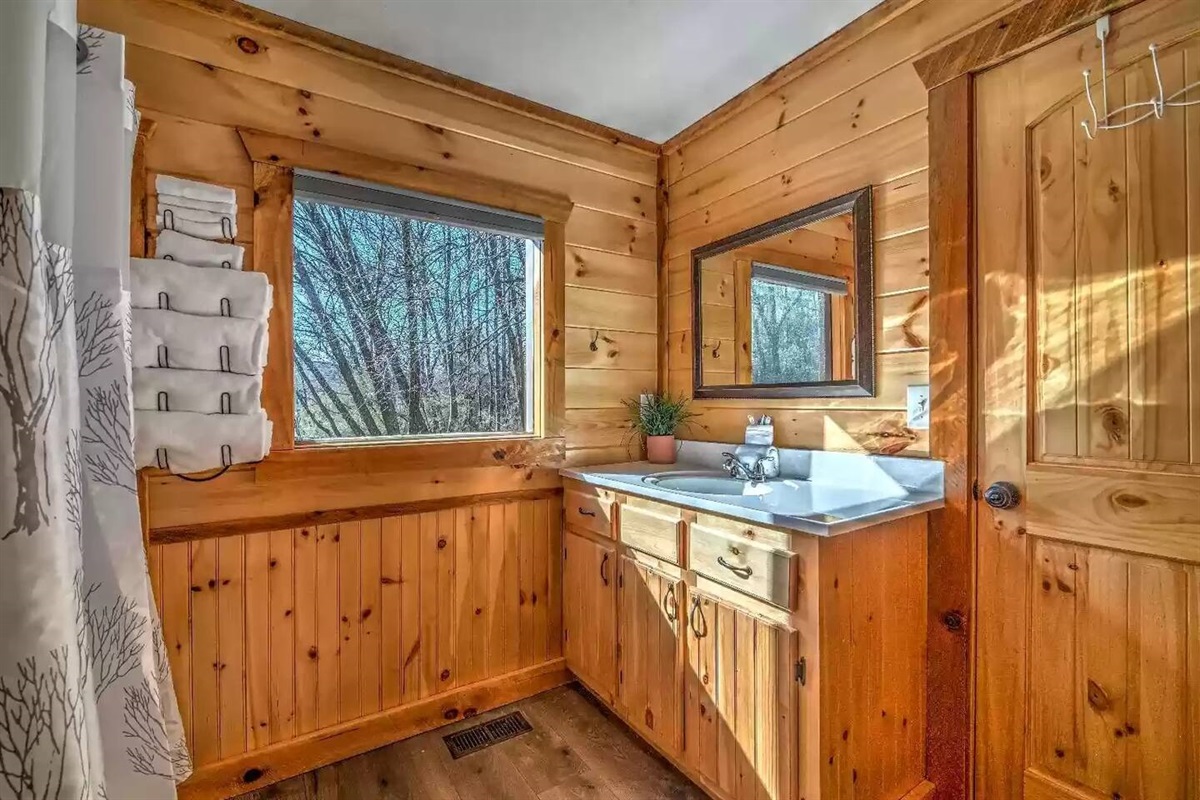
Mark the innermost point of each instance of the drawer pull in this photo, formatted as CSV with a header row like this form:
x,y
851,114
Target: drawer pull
x,y
584,512
604,569
670,604
741,572
697,612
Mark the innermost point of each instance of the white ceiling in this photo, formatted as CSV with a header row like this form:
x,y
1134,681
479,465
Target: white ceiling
x,y
646,67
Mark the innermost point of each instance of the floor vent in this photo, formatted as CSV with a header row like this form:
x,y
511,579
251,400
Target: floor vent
x,y
486,734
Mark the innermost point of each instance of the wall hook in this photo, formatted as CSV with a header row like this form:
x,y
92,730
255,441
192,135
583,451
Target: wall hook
x,y
1154,107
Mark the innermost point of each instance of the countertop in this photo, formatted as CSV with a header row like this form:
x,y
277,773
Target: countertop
x,y
851,497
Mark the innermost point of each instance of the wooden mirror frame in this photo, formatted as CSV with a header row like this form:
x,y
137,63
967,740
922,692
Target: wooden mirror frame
x,y
858,202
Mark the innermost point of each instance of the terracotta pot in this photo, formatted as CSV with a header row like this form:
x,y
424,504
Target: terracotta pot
x,y
660,449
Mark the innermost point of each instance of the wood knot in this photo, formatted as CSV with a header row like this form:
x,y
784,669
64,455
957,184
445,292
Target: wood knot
x,y
445,674
247,45
450,713
1097,697
253,774
499,454
441,544
953,620
1128,501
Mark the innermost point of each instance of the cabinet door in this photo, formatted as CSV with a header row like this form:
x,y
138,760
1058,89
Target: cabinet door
x,y
649,653
740,702
589,612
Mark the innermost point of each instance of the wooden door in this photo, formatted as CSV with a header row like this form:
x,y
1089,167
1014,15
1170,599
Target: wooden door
x,y
589,612
740,701
649,653
1088,379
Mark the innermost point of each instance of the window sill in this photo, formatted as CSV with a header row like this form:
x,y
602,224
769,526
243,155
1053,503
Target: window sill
x,y
346,459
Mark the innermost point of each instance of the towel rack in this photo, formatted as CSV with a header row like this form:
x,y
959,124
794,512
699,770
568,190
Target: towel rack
x,y
1156,106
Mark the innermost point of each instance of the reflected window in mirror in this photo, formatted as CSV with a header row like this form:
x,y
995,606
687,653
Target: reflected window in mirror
x,y
785,309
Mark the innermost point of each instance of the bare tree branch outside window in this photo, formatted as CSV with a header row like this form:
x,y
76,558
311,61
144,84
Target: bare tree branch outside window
x,y
406,327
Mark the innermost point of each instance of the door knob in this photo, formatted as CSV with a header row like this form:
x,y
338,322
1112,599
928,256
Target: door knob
x,y
1002,495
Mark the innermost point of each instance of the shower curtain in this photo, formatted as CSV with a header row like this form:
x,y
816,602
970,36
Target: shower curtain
x,y
87,708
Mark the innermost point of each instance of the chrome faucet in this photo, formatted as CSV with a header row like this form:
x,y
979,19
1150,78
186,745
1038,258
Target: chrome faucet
x,y
765,466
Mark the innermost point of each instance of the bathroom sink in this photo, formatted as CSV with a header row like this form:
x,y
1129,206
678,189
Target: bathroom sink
x,y
712,483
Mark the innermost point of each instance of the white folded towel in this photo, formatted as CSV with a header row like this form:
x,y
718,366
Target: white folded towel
x,y
177,201
194,190
214,226
158,283
185,341
195,390
185,442
198,252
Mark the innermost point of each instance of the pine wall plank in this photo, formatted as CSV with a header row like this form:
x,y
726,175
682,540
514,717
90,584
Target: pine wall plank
x,y
856,118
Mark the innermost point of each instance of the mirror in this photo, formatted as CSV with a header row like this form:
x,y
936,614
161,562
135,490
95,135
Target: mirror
x,y
786,309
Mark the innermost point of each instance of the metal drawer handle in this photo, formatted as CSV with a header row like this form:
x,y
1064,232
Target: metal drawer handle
x,y
604,569
696,610
584,512
670,604
741,572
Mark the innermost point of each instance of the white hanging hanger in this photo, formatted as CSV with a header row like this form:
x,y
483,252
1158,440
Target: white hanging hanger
x,y
1155,106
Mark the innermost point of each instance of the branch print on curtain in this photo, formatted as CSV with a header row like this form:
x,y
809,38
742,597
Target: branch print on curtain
x,y
87,708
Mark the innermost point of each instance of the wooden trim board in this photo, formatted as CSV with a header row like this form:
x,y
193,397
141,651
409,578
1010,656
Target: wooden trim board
x,y
949,672
238,527
1006,37
278,762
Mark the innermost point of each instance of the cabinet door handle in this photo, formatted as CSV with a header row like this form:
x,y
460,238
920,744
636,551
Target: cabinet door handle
x,y
670,604
604,569
697,612
741,572
584,512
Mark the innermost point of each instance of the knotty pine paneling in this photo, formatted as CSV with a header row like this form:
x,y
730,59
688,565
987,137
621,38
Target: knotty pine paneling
x,y
195,81
277,634
857,118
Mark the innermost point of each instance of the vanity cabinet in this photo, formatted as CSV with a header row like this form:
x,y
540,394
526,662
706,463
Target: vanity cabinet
x,y
589,612
650,653
741,696
768,664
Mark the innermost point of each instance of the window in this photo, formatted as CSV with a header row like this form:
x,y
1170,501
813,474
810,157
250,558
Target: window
x,y
413,317
791,324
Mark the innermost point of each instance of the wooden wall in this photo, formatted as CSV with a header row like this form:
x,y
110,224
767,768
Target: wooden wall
x,y
201,73
278,636
855,117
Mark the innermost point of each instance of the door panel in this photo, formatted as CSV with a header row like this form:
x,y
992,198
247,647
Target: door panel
x,y
740,707
1088,336
589,612
649,678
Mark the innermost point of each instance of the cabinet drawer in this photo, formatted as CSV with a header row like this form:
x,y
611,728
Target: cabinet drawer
x,y
653,528
752,560
588,510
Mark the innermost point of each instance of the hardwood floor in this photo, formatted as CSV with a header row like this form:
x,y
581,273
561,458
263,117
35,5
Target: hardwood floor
x,y
577,751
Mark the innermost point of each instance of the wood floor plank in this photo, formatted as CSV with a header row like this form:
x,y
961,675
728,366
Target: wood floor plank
x,y
577,751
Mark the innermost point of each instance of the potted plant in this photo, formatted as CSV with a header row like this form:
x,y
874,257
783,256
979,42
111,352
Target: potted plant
x,y
658,417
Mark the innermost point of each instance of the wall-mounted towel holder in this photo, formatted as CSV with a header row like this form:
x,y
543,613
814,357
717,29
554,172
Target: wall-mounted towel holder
x,y
224,307
163,461
164,357
225,263
168,216
163,402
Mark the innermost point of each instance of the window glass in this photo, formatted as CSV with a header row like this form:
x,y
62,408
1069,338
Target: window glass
x,y
407,326
789,332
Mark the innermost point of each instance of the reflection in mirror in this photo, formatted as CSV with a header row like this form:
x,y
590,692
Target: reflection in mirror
x,y
778,307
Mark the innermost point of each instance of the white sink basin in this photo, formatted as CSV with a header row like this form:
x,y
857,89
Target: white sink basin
x,y
712,483
784,496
